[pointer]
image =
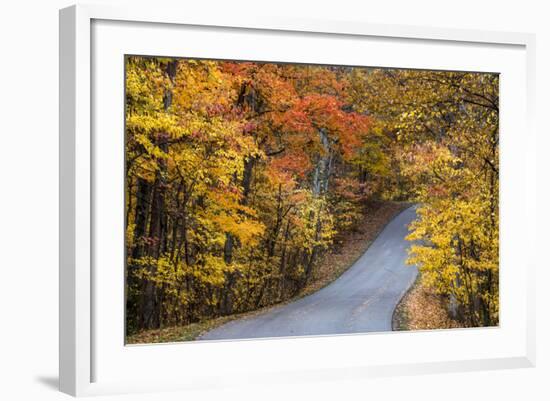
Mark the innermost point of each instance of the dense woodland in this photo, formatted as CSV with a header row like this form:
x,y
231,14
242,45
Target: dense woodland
x,y
239,176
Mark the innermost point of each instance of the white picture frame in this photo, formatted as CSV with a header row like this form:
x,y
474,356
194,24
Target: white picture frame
x,y
81,344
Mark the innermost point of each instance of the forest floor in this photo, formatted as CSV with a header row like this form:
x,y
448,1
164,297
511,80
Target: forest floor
x,y
347,249
422,309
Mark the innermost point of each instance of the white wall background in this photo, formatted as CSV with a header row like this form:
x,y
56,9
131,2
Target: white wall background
x,y
29,186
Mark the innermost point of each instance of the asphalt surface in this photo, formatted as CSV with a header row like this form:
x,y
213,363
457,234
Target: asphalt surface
x,y
361,300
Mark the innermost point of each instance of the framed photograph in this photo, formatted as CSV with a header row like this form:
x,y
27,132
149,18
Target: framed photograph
x,y
279,200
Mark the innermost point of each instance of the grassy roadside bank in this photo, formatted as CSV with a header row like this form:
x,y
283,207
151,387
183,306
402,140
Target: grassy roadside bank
x,y
347,249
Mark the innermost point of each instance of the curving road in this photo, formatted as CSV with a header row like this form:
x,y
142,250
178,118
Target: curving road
x,y
360,300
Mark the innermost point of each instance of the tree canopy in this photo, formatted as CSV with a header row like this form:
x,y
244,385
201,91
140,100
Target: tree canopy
x,y
239,175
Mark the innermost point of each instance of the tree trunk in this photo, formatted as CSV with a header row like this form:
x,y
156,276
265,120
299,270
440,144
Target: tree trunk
x,y
157,225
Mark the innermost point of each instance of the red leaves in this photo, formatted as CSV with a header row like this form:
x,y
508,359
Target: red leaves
x,y
297,164
296,102
216,109
317,111
249,126
351,189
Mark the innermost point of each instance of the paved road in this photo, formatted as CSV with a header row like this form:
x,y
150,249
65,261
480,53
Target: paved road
x,y
360,300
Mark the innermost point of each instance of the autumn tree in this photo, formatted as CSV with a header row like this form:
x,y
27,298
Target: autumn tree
x,y
444,127
231,173
239,175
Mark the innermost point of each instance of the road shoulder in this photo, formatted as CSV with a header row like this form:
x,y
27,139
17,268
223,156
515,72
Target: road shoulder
x,y
421,309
